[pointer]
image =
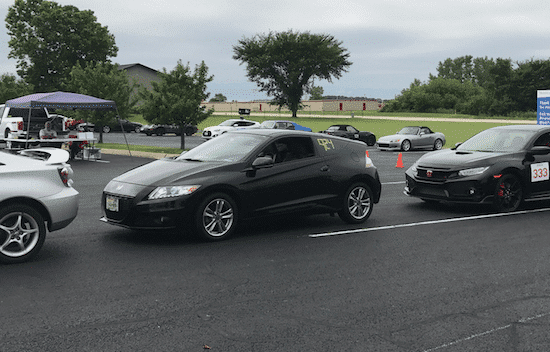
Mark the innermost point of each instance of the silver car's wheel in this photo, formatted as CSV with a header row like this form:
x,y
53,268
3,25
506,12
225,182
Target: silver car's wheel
x,y
106,129
22,233
137,129
438,144
406,145
357,204
216,217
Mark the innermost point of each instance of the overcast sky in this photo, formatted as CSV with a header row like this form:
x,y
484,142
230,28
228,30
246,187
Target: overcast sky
x,y
390,42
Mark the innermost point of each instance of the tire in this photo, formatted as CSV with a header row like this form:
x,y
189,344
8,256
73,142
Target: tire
x,y
438,144
22,233
508,193
371,140
160,132
189,131
216,217
406,145
137,129
106,129
357,205
7,132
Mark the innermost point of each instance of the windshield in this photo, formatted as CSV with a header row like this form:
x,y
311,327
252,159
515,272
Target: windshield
x,y
229,147
409,130
497,140
227,123
267,124
333,128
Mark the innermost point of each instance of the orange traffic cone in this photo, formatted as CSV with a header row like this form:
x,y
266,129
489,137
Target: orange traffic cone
x,y
399,161
367,153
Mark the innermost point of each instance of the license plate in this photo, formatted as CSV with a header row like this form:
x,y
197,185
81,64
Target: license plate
x,y
111,203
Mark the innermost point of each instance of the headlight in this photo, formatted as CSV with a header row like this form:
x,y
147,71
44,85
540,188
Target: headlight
x,y
395,140
413,169
172,191
474,171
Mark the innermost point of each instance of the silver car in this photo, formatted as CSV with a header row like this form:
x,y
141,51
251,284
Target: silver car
x,y
412,137
36,195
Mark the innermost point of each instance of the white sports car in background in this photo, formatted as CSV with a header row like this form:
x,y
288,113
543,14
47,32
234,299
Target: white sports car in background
x,y
228,125
36,194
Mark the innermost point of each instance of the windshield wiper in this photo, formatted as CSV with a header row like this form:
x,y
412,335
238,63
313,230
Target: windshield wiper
x,y
191,159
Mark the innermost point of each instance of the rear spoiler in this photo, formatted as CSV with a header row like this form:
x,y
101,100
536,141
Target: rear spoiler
x,y
48,155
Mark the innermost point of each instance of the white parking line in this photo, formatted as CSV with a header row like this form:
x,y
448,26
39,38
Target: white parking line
x,y
524,320
430,222
393,183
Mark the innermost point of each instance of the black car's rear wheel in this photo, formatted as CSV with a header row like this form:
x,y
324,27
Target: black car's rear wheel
x,y
137,129
22,233
160,132
371,140
216,217
508,193
357,205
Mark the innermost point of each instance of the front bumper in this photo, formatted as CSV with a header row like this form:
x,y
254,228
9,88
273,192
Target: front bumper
x,y
152,214
473,189
388,145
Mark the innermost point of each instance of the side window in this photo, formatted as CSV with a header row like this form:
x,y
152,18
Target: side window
x,y
543,140
2,111
288,149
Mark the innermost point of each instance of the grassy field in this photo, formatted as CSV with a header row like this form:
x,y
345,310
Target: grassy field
x,y
455,131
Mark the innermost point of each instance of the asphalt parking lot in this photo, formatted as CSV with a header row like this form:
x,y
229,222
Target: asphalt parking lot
x,y
414,277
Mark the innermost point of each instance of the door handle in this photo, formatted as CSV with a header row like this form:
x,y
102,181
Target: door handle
x,y
325,168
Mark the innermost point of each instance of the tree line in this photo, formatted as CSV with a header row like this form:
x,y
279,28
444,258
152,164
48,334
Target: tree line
x,y
477,86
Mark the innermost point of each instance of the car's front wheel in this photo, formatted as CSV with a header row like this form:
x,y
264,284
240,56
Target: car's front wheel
x,y
106,129
22,233
357,205
508,193
137,129
438,144
406,145
216,217
160,132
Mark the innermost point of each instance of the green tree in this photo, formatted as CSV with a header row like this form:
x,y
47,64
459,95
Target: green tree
x,y
284,64
177,97
105,81
11,87
48,39
316,93
532,75
218,98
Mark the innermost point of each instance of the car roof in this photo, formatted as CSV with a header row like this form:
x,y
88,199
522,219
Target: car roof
x,y
269,132
524,127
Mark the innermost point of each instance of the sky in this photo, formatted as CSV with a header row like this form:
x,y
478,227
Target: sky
x,y
391,43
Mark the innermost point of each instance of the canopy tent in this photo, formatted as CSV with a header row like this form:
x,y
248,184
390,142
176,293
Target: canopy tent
x,y
61,100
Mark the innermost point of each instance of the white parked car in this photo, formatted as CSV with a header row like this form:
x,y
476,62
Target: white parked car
x,y
228,125
36,195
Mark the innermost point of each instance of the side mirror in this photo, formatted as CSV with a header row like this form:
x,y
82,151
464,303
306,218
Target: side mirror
x,y
262,161
456,145
540,150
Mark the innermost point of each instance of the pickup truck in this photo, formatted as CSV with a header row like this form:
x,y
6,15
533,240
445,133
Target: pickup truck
x,y
13,122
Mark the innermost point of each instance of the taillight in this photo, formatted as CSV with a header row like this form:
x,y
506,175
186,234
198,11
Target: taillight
x,y
66,173
20,125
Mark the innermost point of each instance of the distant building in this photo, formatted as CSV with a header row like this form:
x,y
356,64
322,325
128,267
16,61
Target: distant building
x,y
142,74
309,105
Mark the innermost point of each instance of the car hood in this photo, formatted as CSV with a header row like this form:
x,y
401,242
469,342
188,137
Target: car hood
x,y
166,172
455,159
392,137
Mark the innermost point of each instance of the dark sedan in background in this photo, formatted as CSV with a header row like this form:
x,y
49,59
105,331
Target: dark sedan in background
x,y
161,130
502,165
249,173
348,131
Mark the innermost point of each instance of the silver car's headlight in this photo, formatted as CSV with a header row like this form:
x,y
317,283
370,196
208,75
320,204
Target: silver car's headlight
x,y
172,191
473,172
